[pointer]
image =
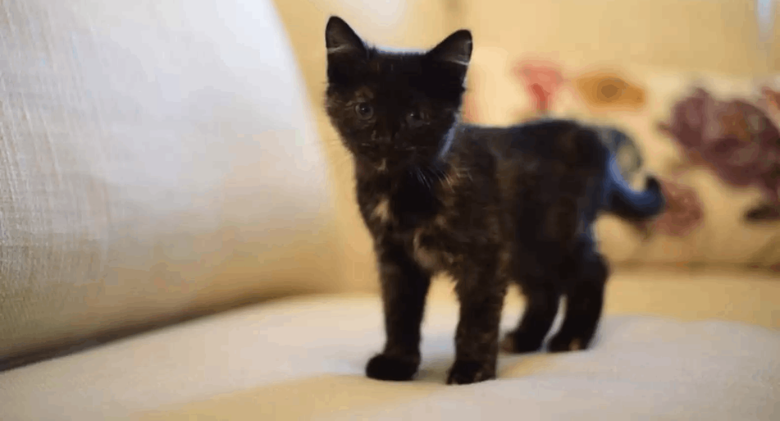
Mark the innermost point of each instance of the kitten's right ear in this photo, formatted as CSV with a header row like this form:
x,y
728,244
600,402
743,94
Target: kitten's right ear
x,y
455,49
340,39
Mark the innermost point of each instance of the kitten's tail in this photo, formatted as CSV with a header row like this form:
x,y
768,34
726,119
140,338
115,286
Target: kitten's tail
x,y
622,200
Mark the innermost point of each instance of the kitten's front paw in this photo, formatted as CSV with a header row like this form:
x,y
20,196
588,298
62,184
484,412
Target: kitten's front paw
x,y
384,367
566,343
516,342
467,372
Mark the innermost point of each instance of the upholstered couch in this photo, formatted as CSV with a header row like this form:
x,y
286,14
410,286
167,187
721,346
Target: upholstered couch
x,y
178,235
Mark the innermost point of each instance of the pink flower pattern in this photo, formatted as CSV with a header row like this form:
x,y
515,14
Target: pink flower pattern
x,y
542,81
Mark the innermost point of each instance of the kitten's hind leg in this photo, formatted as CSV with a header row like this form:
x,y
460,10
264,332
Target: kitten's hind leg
x,y
540,310
584,303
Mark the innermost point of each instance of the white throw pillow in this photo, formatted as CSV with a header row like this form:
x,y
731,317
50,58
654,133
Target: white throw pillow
x,y
156,157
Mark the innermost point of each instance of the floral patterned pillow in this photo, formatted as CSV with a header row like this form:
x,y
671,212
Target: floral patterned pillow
x,y
716,151
736,140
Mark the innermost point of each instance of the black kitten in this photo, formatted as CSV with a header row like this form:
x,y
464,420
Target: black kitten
x,y
488,206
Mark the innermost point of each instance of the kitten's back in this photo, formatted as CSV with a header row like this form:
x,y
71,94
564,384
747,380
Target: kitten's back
x,y
548,172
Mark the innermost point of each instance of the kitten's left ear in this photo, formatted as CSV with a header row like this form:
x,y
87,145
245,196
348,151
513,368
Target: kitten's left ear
x,y
340,39
346,51
455,49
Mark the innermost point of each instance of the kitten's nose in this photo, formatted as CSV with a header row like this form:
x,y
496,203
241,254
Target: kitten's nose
x,y
390,131
381,137
385,139
388,136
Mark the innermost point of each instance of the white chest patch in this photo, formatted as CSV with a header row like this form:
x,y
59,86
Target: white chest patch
x,y
428,259
381,211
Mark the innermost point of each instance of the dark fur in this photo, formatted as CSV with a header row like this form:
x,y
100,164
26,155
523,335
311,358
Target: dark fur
x,y
488,206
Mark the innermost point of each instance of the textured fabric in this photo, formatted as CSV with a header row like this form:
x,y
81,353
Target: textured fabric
x,y
674,345
155,157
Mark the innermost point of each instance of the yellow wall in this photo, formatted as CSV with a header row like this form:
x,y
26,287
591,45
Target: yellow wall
x,y
685,35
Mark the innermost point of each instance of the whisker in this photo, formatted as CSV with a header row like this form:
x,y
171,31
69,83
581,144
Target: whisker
x,y
426,179
418,175
450,182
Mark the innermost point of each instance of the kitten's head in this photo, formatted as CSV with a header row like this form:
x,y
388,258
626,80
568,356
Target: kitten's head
x,y
394,109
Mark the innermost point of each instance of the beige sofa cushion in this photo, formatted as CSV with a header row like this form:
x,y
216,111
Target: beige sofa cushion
x,y
156,158
705,348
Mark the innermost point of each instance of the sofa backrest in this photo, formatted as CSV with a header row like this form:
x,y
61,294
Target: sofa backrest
x,y
157,158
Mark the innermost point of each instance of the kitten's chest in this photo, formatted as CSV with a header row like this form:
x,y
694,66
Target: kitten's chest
x,y
426,229
398,212
398,204
418,231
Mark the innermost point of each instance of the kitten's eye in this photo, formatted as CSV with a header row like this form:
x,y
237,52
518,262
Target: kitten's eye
x,y
364,111
415,117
